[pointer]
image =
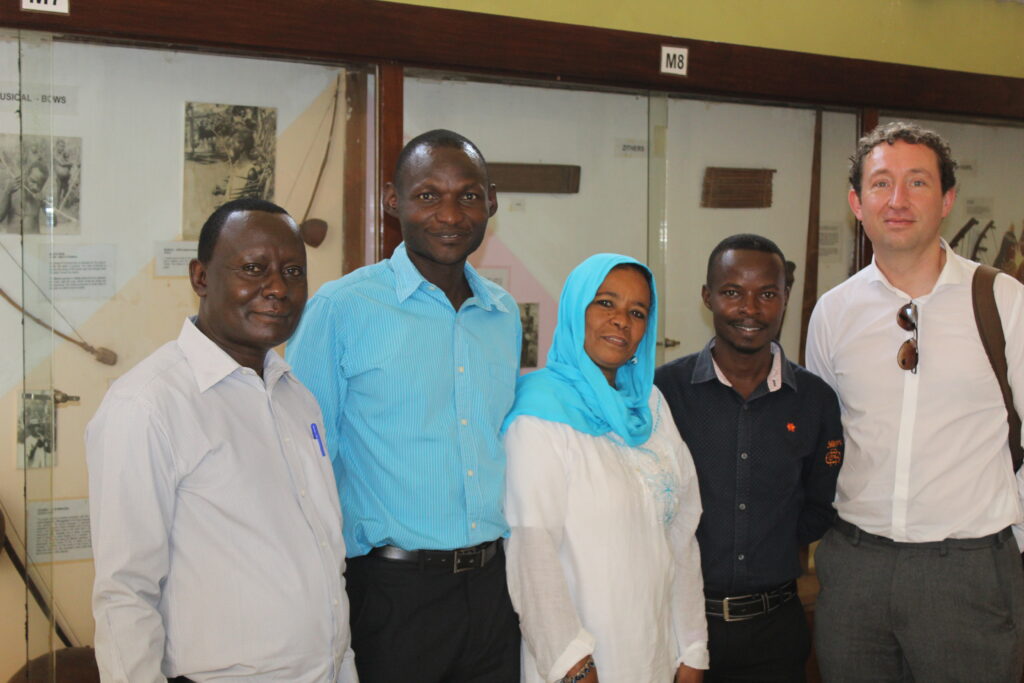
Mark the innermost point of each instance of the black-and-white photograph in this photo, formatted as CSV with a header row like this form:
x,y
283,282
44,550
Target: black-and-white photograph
x,y
40,184
37,431
530,317
229,154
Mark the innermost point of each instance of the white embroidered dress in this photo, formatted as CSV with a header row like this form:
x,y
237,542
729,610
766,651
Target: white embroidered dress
x,y
602,557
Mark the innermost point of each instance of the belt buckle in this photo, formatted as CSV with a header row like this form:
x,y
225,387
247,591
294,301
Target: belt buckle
x,y
466,554
725,611
743,617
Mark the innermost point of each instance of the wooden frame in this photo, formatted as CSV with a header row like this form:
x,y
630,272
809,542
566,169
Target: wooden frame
x,y
396,36
375,31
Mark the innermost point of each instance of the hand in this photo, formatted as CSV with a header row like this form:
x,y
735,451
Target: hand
x,y
591,676
685,674
13,185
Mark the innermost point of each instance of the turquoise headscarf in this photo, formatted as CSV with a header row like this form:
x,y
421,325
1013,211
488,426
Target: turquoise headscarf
x,y
572,389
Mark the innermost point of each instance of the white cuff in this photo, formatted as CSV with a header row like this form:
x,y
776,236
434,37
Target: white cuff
x,y
695,656
581,646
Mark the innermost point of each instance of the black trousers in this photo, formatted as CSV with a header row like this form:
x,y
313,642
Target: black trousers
x,y
432,626
770,648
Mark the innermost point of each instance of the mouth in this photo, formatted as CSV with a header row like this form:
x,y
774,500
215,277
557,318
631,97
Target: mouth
x,y
449,236
899,221
272,315
615,340
748,327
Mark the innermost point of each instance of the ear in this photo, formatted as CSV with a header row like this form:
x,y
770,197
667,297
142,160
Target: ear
x,y
947,201
197,276
389,200
705,295
492,199
855,204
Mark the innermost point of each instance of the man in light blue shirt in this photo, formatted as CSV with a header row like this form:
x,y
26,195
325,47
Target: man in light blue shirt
x,y
414,362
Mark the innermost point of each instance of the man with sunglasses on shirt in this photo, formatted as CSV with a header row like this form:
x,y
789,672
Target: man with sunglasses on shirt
x,y
921,575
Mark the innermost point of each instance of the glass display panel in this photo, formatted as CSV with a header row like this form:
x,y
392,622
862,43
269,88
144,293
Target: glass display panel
x,y
986,223
131,148
536,238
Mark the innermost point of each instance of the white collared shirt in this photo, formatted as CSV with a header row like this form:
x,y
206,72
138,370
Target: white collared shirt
x,y
927,453
774,379
215,523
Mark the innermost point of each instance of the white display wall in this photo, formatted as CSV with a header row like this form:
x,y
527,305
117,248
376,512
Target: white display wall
x,y
127,107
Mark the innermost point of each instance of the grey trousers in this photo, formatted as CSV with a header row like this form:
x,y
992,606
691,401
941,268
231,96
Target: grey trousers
x,y
925,612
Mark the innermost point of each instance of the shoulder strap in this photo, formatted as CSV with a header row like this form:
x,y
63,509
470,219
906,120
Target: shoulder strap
x,y
990,328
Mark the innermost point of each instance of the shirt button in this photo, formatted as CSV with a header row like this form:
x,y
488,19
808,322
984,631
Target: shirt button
x,y
335,603
464,421
302,493
469,472
743,456
323,544
746,407
462,369
743,506
431,287
473,525
740,557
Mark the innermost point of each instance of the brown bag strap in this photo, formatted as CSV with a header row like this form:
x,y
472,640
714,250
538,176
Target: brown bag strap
x,y
990,328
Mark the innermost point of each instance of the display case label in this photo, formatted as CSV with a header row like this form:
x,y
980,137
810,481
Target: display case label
x,y
674,60
57,6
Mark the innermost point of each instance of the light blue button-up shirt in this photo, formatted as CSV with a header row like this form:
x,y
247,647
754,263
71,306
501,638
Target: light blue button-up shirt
x,y
413,395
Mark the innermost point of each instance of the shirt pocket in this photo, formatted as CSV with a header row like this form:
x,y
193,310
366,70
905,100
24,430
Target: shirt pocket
x,y
503,386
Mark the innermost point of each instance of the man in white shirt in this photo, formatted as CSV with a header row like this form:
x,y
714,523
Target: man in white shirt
x,y
215,518
921,576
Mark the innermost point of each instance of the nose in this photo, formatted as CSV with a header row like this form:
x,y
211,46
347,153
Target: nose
x,y
620,318
750,303
274,285
448,211
898,197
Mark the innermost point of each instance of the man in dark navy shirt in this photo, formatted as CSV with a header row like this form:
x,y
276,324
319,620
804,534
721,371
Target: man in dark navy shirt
x,y
766,438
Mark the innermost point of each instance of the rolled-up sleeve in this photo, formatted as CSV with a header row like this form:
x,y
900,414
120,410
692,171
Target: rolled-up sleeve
x,y
688,615
535,505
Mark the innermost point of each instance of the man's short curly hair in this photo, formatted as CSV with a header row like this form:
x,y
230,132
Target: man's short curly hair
x,y
910,133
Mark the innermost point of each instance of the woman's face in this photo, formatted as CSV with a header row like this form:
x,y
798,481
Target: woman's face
x,y
617,319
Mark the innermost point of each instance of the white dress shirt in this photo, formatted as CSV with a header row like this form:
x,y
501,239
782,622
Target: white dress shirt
x,y
593,565
927,453
215,524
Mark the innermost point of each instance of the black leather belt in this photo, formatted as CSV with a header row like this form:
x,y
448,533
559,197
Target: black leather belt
x,y
743,607
458,560
856,534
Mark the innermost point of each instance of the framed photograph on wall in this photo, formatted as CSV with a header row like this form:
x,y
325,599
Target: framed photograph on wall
x,y
230,153
37,431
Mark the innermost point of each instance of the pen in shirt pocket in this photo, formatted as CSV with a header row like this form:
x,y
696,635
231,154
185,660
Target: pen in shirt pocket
x,y
319,441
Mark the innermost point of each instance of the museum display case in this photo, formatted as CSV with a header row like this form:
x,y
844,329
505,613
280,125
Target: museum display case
x,y
120,133
111,158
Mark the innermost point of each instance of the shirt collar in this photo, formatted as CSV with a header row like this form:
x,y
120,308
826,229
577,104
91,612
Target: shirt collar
x,y
408,279
781,372
954,271
210,364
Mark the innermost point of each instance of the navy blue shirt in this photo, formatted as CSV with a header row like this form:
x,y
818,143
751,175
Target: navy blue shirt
x,y
766,466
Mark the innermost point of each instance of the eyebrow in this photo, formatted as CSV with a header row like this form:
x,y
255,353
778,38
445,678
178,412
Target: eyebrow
x,y
736,285
468,183
910,170
615,295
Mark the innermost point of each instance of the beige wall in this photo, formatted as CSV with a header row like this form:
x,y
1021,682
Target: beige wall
x,y
980,36
132,197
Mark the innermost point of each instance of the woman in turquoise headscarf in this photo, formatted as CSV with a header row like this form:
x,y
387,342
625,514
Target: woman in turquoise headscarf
x,y
602,498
